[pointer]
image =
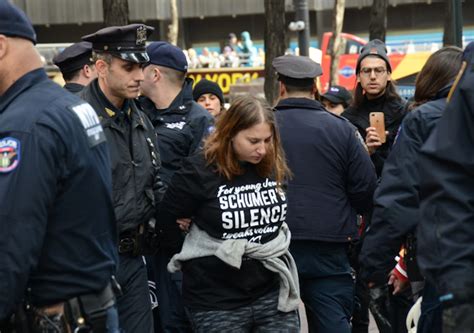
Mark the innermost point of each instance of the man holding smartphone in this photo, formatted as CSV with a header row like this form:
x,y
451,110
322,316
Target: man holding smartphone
x,y
375,92
376,109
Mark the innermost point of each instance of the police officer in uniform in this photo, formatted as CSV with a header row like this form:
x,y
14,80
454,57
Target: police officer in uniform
x,y
333,180
119,54
57,227
181,124
446,230
76,66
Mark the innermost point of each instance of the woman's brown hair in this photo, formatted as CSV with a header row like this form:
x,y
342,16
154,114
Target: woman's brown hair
x,y
439,71
244,113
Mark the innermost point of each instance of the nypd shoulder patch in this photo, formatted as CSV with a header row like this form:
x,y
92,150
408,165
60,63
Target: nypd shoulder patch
x,y
10,149
90,122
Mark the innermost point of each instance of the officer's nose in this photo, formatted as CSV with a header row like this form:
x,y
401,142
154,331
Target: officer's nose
x,y
139,76
262,149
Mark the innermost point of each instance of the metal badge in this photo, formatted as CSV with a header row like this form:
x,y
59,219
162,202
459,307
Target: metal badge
x,y
141,35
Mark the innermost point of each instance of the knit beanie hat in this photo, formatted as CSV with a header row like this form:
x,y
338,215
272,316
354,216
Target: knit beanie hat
x,y
207,87
377,48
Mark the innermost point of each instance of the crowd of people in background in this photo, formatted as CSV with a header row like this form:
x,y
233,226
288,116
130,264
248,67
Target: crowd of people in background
x,y
235,53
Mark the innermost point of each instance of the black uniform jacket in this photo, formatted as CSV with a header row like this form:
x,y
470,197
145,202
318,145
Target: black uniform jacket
x,y
394,111
333,176
73,87
132,142
396,212
57,225
180,128
446,230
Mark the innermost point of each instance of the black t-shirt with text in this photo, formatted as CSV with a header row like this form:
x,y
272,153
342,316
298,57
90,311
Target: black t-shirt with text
x,y
247,207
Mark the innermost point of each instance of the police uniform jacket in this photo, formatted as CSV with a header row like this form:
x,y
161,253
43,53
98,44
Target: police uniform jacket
x,y
394,110
333,176
180,128
57,225
73,87
396,211
446,233
137,187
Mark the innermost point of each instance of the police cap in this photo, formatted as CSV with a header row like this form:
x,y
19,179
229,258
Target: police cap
x,y
15,23
297,70
74,57
167,55
125,42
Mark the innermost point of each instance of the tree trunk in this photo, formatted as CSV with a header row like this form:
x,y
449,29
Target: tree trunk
x,y
275,44
378,20
115,12
337,22
173,28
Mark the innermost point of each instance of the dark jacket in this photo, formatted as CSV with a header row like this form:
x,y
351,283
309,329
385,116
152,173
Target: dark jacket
x,y
396,211
132,142
394,111
333,176
73,87
57,225
180,128
446,230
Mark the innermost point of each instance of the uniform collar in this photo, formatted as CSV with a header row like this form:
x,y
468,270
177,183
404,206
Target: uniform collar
x,y
300,103
22,84
182,101
110,109
73,87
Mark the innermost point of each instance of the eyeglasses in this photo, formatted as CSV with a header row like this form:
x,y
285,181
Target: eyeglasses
x,y
379,71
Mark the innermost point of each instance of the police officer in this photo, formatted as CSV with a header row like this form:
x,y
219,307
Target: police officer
x,y
333,180
181,125
179,121
446,231
76,66
58,232
119,54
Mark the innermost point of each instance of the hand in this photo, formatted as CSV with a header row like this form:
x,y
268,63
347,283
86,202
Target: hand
x,y
372,139
398,285
184,223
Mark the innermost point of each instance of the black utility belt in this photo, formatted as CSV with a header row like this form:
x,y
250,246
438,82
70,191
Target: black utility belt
x,y
139,241
81,314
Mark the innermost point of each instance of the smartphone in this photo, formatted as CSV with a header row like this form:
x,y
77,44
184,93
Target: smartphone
x,y
377,120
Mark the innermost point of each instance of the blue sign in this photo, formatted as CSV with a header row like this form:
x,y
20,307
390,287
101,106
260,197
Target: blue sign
x,y
347,71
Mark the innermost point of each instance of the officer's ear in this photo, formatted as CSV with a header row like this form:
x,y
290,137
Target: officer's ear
x,y
88,70
156,74
3,46
282,89
101,66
